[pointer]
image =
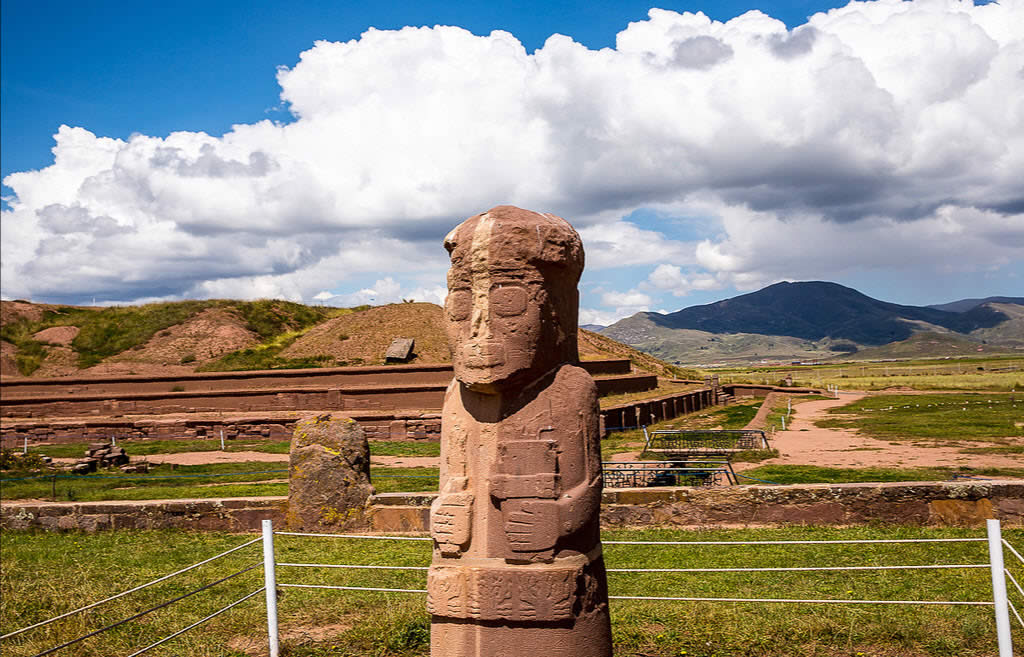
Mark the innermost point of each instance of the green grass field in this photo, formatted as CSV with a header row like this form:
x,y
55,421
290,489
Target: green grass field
x,y
813,474
942,417
321,623
989,373
247,479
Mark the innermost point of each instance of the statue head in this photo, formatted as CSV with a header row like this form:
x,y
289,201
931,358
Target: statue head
x,y
512,306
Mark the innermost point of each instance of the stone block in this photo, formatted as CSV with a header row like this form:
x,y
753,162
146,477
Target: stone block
x,y
329,475
400,519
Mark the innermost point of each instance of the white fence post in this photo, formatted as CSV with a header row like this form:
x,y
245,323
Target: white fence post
x,y
222,440
270,582
995,553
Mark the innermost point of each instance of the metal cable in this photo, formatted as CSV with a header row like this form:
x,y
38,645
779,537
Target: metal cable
x,y
1008,574
837,542
137,588
197,623
147,611
759,570
843,542
350,588
369,536
763,481
338,565
1014,610
874,602
1015,553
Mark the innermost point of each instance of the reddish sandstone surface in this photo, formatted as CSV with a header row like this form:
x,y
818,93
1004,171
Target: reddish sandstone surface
x,y
62,335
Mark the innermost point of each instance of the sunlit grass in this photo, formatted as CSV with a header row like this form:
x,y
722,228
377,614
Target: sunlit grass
x,y
318,623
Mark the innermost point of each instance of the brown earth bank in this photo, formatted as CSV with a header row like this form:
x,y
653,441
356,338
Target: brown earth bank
x,y
203,337
361,338
353,338
8,363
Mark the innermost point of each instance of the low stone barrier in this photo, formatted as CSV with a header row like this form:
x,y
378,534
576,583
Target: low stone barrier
x,y
226,514
918,503
649,411
755,391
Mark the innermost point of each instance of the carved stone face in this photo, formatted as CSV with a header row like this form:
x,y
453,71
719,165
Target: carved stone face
x,y
506,316
493,327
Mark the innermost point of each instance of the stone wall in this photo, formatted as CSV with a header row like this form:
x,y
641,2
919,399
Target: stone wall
x,y
918,503
649,411
307,398
621,385
228,514
380,426
751,391
329,389
323,377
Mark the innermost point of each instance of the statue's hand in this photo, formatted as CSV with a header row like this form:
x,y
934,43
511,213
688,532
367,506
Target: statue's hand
x,y
531,525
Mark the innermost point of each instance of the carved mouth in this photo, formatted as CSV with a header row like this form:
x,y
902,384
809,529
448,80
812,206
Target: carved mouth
x,y
487,354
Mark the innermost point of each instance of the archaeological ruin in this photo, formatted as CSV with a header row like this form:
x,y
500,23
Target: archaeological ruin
x,y
517,566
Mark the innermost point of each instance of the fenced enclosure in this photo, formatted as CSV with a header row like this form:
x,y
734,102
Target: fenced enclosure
x,y
679,442
659,575
688,472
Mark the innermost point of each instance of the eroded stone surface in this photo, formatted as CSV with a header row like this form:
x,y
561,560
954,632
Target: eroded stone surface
x,y
329,475
517,567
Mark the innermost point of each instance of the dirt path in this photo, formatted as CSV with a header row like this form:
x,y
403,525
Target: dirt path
x,y
803,443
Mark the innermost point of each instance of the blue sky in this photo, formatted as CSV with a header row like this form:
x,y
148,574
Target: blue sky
x,y
698,158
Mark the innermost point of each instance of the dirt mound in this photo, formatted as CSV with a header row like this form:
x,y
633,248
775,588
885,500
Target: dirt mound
x,y
59,361
201,338
13,311
8,365
62,335
362,338
594,346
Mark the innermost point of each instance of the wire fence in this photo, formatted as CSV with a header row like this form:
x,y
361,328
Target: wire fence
x,y
259,563
1000,575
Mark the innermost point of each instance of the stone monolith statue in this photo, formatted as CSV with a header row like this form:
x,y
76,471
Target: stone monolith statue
x,y
517,567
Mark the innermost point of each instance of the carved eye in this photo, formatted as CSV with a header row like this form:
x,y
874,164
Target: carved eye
x,y
459,304
508,301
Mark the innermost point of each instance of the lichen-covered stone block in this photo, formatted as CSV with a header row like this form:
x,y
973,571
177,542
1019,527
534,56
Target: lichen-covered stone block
x,y
329,475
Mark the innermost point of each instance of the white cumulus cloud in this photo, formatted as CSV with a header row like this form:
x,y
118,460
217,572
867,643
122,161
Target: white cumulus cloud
x,y
877,134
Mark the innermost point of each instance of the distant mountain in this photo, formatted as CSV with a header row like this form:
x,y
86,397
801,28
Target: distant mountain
x,y
805,320
964,305
596,328
926,345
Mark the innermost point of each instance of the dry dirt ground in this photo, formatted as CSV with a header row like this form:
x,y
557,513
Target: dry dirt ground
x,y
803,443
